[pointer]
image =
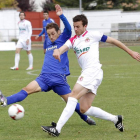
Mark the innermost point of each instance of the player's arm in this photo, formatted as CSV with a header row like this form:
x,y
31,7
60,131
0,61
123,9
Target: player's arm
x,y
42,32
59,12
119,44
29,26
57,52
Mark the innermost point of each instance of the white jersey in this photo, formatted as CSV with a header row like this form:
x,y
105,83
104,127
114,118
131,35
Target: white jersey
x,y
25,30
86,48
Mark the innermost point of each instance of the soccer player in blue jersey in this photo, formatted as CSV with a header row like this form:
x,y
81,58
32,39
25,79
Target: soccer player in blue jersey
x,y
53,74
46,21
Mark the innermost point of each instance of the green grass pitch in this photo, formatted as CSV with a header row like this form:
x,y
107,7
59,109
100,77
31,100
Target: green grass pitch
x,y
119,93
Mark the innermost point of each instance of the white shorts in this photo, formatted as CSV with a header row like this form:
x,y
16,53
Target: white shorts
x,y
91,80
22,44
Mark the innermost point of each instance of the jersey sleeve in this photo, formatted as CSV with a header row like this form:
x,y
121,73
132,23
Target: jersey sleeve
x,y
68,44
67,30
29,27
42,32
66,23
99,36
52,20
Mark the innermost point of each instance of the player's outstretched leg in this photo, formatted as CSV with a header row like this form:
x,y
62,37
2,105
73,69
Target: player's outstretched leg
x,y
4,101
99,113
86,118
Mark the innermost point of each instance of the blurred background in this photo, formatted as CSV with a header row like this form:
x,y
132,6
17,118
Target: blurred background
x,y
115,18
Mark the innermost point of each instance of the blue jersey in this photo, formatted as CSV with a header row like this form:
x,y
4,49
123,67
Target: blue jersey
x,y
52,65
45,22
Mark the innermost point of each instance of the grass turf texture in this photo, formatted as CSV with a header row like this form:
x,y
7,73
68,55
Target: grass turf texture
x,y
118,94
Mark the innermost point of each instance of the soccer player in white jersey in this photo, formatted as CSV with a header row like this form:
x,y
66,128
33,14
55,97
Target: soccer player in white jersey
x,y
24,42
86,47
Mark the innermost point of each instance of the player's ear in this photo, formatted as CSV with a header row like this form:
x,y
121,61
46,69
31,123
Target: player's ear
x,y
59,32
85,26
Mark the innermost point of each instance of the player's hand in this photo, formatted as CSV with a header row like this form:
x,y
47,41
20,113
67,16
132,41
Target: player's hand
x,y
58,10
37,37
27,42
135,55
56,54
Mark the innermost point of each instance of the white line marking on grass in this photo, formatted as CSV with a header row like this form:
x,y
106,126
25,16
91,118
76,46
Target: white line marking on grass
x,y
120,65
116,76
15,79
32,72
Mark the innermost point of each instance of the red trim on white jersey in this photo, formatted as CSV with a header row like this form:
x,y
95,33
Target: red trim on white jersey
x,y
72,39
84,33
21,21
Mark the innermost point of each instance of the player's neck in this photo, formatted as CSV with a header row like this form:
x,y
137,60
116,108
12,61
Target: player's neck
x,y
47,18
22,19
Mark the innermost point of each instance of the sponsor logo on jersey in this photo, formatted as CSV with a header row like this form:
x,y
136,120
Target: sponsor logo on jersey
x,y
80,52
51,48
22,29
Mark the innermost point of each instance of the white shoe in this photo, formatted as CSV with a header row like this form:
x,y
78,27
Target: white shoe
x,y
3,100
13,68
29,68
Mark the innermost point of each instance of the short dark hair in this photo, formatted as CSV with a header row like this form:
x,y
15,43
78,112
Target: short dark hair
x,y
23,13
46,12
82,18
52,25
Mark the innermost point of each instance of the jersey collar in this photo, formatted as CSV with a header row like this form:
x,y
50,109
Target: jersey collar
x,y
82,35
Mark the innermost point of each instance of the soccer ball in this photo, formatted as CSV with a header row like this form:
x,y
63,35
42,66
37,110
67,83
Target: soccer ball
x,y
16,111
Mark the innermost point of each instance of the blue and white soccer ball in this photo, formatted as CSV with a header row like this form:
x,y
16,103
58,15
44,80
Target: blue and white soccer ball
x,y
16,111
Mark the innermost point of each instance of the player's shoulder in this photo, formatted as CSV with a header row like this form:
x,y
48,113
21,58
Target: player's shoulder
x,y
95,33
51,20
19,22
27,21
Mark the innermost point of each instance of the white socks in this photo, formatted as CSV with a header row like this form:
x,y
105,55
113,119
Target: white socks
x,y
92,111
30,57
99,113
17,58
67,113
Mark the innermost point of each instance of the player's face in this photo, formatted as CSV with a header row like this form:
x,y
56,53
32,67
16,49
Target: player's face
x,y
22,16
79,28
46,15
53,34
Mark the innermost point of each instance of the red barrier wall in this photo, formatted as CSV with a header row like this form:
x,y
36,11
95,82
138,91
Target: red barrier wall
x,y
36,19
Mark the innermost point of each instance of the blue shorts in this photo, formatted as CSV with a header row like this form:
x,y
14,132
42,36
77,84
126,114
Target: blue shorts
x,y
56,82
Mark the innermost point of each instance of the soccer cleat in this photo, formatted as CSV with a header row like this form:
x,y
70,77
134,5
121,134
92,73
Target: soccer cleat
x,y
90,121
13,68
119,123
3,100
29,68
51,130
53,124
